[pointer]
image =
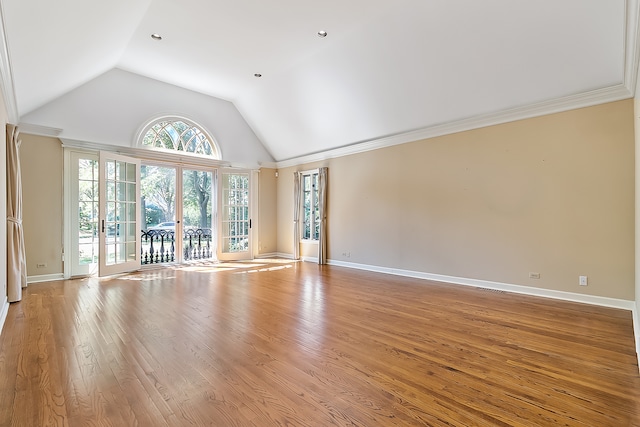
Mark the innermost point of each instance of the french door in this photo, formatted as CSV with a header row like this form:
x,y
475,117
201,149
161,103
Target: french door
x,y
122,214
119,213
235,223
177,214
82,211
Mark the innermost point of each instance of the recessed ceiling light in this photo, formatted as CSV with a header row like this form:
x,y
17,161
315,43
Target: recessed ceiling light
x,y
322,34
257,75
156,36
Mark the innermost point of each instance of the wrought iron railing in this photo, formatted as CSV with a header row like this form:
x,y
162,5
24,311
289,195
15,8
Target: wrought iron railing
x,y
159,246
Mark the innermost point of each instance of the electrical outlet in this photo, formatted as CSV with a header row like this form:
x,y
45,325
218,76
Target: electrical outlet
x,y
534,275
584,281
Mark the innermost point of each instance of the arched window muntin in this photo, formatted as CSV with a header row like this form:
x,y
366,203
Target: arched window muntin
x,y
178,135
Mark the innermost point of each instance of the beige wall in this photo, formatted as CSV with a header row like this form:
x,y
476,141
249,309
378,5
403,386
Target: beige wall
x,y
267,211
552,195
42,162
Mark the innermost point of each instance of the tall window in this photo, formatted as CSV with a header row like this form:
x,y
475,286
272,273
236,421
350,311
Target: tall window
x,y
310,206
178,134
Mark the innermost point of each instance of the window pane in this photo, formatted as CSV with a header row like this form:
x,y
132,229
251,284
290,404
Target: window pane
x,y
111,211
110,170
131,172
85,190
131,192
121,191
121,211
111,190
121,171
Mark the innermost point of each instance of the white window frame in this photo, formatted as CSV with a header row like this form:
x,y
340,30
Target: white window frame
x,y
303,174
139,139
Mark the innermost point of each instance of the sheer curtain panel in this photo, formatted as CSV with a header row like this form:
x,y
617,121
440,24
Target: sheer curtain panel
x,y
16,259
297,177
322,208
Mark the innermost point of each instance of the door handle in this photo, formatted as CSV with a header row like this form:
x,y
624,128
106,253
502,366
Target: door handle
x,y
103,225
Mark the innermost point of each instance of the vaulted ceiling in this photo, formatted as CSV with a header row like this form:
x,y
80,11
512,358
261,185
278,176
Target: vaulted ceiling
x,y
385,69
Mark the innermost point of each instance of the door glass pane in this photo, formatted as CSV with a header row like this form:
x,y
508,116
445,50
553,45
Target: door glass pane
x,y
110,171
197,208
121,171
131,173
111,190
111,211
131,214
131,192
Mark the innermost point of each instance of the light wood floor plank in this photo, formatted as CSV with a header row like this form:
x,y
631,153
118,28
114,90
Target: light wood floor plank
x,y
281,343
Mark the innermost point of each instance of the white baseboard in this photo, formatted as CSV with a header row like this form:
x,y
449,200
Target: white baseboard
x,y
4,310
45,278
636,331
283,255
309,259
526,290
268,255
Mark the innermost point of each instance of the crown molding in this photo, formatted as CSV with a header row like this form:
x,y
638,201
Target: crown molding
x,y
148,154
632,45
6,75
585,99
613,93
39,130
271,165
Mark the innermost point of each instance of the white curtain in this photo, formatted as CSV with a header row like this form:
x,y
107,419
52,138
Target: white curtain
x,y
16,259
322,207
297,177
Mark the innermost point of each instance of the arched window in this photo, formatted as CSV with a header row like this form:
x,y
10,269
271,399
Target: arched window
x,y
178,135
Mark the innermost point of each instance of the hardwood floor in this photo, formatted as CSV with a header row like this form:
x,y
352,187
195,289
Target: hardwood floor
x,y
296,344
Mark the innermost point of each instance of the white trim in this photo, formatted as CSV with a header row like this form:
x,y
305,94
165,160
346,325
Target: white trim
x,y
144,154
627,89
525,290
66,209
45,278
4,310
39,130
254,211
268,255
631,45
269,165
636,332
283,255
586,99
309,259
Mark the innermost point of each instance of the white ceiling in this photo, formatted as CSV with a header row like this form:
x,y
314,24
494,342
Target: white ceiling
x,y
386,67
